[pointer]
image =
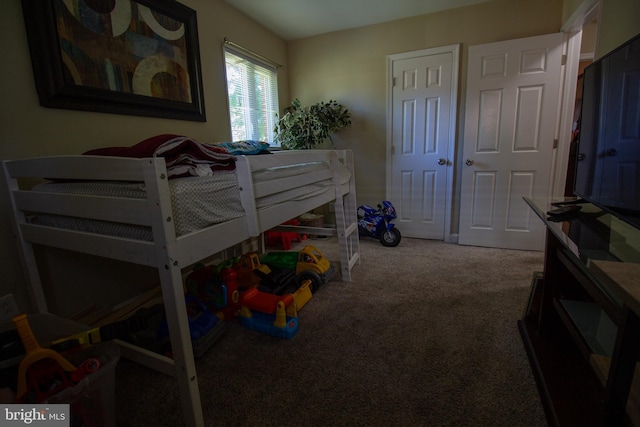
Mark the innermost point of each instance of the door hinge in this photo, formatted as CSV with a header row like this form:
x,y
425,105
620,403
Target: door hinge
x,y
564,60
555,143
393,82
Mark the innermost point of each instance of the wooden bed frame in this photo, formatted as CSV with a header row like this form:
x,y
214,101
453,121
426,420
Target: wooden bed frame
x,y
168,253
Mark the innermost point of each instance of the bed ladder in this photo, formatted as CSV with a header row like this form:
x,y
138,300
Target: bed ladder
x,y
346,218
345,212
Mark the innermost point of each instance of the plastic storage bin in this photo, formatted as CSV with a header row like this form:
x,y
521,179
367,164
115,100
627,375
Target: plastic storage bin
x,y
92,401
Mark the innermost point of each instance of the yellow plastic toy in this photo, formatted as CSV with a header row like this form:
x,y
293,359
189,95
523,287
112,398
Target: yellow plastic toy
x,y
29,372
300,298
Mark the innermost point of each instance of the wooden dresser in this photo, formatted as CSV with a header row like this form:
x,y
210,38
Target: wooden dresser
x,y
581,324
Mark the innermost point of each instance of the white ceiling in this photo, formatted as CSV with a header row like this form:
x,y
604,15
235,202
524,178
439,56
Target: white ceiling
x,y
295,19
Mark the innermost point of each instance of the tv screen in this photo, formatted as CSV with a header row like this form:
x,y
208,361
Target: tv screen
x,y
608,153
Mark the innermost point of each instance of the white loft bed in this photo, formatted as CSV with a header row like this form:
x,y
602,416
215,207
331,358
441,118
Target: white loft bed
x,y
168,252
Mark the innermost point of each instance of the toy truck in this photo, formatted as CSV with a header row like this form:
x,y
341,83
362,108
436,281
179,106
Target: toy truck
x,y
308,264
252,274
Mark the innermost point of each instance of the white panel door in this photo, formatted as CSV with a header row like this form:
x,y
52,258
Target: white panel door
x,y
423,127
513,90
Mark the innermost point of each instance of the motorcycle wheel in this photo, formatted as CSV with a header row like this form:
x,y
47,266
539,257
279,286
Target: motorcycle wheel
x,y
390,238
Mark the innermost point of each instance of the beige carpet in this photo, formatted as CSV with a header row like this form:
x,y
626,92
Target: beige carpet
x,y
424,335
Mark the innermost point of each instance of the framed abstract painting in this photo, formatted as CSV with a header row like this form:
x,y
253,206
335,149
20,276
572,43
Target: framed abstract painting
x,y
134,57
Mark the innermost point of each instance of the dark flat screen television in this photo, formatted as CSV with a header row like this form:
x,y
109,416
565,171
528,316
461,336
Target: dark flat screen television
x,y
607,170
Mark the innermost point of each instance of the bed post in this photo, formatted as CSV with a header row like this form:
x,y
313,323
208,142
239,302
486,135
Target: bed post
x,y
156,182
350,206
27,256
247,194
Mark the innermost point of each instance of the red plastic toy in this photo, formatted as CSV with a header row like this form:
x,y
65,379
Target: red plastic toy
x,y
270,314
284,238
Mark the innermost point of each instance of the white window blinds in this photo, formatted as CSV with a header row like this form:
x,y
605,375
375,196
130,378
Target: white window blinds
x,y
252,87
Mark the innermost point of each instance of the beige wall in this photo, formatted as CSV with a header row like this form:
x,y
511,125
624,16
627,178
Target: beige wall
x,y
589,38
27,130
350,66
620,21
44,131
569,7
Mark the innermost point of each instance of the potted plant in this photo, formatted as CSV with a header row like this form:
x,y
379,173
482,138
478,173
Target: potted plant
x,y
305,127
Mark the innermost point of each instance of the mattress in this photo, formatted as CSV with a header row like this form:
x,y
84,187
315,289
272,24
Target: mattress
x,y
197,202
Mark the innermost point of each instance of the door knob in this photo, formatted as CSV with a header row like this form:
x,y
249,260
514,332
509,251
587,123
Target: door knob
x,y
468,162
442,162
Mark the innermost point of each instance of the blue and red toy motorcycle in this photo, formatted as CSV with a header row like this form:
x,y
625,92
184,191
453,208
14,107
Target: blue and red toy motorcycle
x,y
376,223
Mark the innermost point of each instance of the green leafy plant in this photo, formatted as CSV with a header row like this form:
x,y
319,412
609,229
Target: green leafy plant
x,y
304,127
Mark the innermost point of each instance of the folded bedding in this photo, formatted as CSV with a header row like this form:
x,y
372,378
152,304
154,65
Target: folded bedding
x,y
183,156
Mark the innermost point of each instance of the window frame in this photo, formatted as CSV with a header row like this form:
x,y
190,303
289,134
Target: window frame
x,y
259,66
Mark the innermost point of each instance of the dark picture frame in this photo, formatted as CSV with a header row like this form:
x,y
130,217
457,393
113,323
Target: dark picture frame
x,y
140,58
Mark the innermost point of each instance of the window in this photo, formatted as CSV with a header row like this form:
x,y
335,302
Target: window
x,y
252,87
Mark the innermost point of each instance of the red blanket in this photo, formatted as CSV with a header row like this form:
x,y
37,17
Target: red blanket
x,y
183,156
